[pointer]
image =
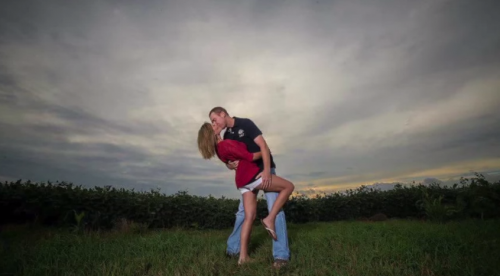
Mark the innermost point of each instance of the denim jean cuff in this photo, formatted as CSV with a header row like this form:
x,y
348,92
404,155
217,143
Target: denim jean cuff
x,y
282,258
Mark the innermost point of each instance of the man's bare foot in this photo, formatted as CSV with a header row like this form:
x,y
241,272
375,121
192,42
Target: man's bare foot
x,y
279,263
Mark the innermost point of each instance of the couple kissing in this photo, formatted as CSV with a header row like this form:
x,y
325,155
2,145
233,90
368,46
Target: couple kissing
x,y
244,150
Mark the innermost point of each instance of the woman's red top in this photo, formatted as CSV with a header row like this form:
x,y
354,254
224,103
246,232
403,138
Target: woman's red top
x,y
232,150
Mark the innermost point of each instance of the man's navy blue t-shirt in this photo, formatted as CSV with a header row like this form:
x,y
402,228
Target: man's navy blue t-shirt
x,y
245,130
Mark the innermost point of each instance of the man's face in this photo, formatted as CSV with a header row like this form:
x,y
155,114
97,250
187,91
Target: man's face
x,y
218,120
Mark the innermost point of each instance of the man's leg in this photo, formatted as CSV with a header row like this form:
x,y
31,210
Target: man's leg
x,y
233,242
280,247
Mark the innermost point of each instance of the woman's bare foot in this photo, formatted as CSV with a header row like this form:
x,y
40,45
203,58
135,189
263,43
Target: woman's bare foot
x,y
270,227
244,260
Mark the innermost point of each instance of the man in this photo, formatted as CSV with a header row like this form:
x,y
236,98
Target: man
x,y
244,130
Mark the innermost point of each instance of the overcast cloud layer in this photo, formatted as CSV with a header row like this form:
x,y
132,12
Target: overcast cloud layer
x,y
346,92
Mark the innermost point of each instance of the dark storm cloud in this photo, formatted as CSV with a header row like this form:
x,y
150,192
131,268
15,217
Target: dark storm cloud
x,y
6,80
463,35
113,92
456,44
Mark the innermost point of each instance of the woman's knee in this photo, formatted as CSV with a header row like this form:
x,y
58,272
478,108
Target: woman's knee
x,y
250,219
290,187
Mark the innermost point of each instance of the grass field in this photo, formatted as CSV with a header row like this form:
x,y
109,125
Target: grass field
x,y
341,248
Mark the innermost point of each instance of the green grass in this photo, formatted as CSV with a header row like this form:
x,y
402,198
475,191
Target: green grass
x,y
341,248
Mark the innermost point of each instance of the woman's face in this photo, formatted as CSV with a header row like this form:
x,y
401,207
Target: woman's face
x,y
217,129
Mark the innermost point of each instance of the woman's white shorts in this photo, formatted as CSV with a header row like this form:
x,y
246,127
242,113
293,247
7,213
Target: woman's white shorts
x,y
250,187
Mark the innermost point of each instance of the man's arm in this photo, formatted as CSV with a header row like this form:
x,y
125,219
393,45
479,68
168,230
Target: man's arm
x,y
234,164
254,133
257,155
266,157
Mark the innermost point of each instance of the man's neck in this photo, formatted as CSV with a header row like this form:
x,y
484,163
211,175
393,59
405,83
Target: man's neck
x,y
230,122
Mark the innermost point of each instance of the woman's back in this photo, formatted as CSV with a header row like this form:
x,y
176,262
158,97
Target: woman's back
x,y
232,150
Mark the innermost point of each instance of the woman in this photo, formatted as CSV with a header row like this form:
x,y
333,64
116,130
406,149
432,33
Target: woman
x,y
248,180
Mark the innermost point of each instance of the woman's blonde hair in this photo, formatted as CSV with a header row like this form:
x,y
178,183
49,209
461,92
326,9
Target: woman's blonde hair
x,y
206,141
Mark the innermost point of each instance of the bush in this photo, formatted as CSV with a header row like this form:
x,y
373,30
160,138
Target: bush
x,y
64,204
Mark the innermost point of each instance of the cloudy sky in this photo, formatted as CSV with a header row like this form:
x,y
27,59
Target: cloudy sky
x,y
346,92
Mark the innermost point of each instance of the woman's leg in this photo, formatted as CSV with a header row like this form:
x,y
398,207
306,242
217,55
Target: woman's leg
x,y
285,189
250,206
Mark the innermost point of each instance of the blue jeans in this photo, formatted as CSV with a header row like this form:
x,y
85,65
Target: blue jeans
x,y
280,247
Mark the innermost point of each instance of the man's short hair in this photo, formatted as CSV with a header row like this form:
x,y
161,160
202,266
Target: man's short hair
x,y
217,110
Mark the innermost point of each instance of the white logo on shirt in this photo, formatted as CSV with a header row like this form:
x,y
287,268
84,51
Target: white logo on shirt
x,y
241,133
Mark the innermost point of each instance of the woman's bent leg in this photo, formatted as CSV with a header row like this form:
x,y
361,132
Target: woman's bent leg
x,y
285,189
250,206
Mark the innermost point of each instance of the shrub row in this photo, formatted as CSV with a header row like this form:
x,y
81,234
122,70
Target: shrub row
x,y
64,204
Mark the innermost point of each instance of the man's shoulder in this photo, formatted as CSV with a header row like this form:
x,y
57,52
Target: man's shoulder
x,y
243,121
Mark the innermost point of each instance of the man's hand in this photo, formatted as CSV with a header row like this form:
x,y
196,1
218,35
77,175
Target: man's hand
x,y
266,158
232,165
266,179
